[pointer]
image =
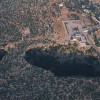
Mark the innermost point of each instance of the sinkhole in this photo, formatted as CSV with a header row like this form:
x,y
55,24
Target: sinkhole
x,y
2,53
46,61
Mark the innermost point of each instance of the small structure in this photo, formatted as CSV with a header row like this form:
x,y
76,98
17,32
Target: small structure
x,y
61,5
87,11
83,6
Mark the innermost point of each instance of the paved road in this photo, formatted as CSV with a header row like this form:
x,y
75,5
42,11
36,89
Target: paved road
x,y
91,41
96,19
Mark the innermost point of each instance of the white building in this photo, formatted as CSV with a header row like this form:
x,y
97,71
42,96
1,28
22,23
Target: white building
x,y
61,5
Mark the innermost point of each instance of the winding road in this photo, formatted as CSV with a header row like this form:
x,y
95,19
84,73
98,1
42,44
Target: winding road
x,y
91,41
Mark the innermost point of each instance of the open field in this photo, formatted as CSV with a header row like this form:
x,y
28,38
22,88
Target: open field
x,y
58,25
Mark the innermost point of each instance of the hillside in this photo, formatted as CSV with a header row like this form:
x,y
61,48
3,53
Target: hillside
x,y
29,26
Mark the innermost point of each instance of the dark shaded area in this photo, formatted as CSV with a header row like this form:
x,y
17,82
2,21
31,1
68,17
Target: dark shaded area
x,y
69,68
2,53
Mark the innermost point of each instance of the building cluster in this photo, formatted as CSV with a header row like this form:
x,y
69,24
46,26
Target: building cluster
x,y
75,32
79,39
87,8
